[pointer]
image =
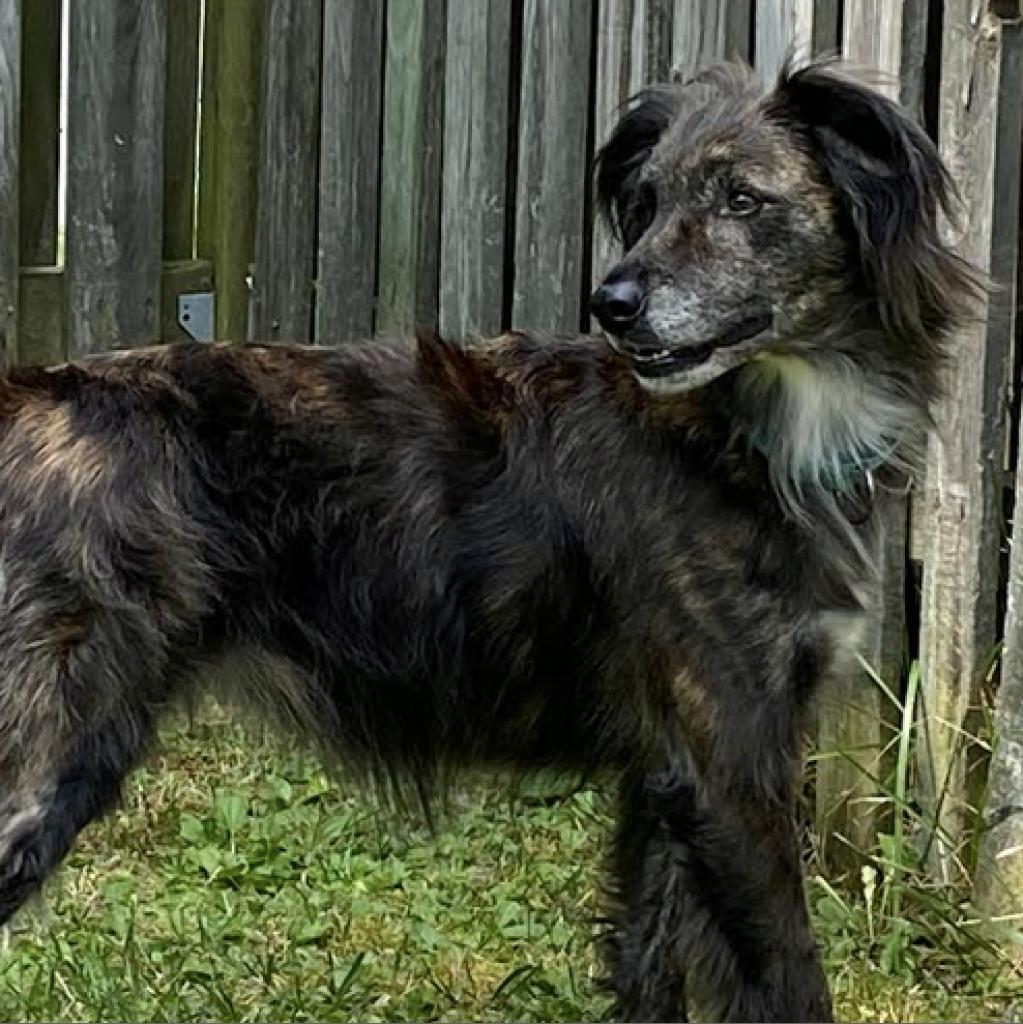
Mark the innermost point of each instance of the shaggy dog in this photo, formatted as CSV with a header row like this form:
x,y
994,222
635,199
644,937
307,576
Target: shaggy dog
x,y
638,557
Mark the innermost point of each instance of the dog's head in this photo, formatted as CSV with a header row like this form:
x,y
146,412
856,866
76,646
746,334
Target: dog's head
x,y
753,221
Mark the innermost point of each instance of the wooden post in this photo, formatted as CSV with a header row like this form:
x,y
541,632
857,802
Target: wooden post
x,y
475,167
998,885
705,32
229,154
349,169
115,172
40,111
286,223
10,115
553,165
179,123
410,181
782,26
963,485
851,721
634,49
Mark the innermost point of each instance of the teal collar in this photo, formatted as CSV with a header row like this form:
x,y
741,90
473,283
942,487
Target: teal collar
x,y
847,477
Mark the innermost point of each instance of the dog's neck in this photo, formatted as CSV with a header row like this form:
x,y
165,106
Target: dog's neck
x,y
823,422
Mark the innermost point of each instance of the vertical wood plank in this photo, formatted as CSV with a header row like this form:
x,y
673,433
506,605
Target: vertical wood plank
x,y
851,730
826,20
553,165
872,37
10,118
998,886
181,92
705,32
634,49
41,316
229,155
289,156
962,490
914,57
410,180
349,169
783,27
475,167
40,113
115,173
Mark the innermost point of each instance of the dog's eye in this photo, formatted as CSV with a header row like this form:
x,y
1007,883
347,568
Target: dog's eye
x,y
743,203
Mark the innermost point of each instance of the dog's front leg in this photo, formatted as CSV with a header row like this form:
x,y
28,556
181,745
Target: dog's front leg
x,y
648,889
745,936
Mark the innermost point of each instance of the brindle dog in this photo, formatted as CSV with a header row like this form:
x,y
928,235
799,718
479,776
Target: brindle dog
x,y
638,557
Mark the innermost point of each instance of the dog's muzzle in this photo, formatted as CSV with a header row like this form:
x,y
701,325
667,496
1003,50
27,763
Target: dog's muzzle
x,y
651,358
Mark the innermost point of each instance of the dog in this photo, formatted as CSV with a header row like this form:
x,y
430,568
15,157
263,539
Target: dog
x,y
637,557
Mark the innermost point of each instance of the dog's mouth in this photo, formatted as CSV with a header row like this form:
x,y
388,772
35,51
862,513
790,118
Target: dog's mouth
x,y
673,361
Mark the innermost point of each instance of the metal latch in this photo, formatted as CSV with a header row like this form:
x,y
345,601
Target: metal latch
x,y
197,315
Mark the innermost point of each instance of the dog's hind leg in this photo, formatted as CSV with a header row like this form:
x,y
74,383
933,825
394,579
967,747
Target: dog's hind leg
x,y
38,824
82,683
81,692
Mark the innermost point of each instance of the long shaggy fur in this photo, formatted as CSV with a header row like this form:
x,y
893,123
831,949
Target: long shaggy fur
x,y
522,553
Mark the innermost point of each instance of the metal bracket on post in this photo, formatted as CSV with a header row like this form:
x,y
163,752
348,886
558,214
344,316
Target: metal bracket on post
x,y
197,315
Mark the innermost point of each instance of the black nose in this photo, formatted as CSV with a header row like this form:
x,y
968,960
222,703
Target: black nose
x,y
618,304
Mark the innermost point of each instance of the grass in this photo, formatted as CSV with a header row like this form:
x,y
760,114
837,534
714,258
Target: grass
x,y
238,883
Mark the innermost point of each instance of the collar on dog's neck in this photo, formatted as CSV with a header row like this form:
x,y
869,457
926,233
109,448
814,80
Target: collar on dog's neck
x,y
844,475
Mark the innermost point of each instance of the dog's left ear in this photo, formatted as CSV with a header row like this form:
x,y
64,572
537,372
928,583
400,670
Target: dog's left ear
x,y
621,158
891,182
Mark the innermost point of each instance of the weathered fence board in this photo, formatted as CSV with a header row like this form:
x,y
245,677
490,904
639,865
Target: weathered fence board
x,y
872,38
289,156
114,187
826,22
40,111
962,490
229,155
704,31
550,257
634,49
913,80
410,182
41,316
349,170
851,722
998,884
782,27
179,127
473,221
10,116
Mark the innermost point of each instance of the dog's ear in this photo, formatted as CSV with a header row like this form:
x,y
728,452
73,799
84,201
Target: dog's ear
x,y
620,198
892,184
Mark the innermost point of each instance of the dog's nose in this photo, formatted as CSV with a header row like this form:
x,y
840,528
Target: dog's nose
x,y
618,304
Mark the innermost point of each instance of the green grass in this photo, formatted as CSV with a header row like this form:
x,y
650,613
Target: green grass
x,y
238,883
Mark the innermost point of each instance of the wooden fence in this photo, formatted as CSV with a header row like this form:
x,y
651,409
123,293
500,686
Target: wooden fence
x,y
334,168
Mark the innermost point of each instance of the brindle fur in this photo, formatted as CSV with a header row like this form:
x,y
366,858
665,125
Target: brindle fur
x,y
427,556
